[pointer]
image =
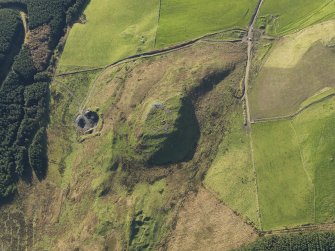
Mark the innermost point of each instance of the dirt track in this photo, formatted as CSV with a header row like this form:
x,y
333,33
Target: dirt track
x,y
250,41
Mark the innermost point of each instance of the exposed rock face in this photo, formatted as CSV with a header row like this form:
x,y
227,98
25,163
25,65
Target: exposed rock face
x,y
87,121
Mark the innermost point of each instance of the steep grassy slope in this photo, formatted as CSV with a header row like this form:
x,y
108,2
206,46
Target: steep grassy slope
x,y
146,202
283,17
189,19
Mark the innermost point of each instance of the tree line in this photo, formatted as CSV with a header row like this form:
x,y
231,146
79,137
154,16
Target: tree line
x,y
10,30
24,93
294,242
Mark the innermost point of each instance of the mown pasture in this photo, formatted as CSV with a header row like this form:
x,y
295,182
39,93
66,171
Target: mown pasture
x,y
294,160
112,30
286,16
297,67
189,19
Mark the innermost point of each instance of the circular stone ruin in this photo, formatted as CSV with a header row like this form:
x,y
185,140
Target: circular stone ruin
x,y
87,121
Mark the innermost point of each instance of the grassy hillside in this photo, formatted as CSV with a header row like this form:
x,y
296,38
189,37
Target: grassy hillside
x,y
189,19
286,16
315,133
94,196
232,176
112,30
172,162
146,201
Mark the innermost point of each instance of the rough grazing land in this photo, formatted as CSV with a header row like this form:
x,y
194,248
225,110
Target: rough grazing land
x,y
294,162
206,224
92,201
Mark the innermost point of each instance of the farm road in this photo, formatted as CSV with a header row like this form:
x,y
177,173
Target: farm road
x,y
246,99
247,70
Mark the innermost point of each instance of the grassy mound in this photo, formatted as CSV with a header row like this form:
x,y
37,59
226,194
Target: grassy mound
x,y
166,133
95,205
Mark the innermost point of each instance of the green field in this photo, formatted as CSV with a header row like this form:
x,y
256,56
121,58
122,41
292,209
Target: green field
x,y
316,134
297,67
232,175
285,16
295,167
188,19
114,29
285,191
